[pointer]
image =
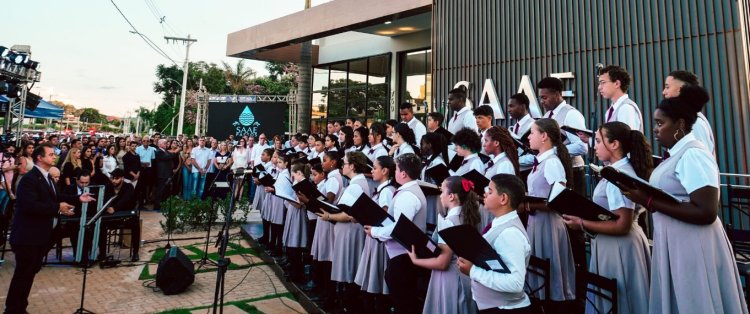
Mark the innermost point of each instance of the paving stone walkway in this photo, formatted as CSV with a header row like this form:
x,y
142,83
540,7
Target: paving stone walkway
x,y
254,286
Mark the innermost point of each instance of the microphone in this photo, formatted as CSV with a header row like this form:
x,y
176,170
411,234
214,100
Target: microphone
x,y
599,66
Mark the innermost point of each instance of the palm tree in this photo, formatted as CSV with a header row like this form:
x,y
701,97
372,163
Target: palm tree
x,y
238,77
304,88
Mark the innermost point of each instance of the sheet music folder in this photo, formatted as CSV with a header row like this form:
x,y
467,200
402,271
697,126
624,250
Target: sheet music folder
x,y
466,242
624,180
480,181
438,173
367,212
407,234
101,211
576,130
568,202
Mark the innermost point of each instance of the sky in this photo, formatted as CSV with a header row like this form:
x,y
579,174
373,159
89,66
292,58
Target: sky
x,y
89,57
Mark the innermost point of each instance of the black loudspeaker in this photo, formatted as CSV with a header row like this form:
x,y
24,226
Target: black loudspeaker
x,y
175,272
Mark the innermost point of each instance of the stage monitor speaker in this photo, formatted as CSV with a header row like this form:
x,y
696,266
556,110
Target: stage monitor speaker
x,y
175,272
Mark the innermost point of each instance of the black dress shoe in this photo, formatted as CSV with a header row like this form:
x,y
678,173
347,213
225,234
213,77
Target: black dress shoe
x,y
135,258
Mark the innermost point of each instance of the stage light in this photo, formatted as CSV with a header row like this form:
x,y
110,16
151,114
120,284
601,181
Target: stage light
x,y
31,64
3,50
13,91
17,58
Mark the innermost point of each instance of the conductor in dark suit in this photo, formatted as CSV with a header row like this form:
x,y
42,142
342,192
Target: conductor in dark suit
x,y
38,205
164,171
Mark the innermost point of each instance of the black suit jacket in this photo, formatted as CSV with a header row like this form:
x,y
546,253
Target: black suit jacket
x,y
125,199
36,208
163,163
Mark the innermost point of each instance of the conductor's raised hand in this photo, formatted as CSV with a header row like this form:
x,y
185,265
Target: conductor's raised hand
x,y
66,209
86,197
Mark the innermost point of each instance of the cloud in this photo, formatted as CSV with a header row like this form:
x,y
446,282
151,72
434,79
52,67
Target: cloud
x,y
107,87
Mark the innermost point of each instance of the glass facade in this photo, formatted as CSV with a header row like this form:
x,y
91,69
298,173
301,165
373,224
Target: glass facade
x,y
355,88
416,81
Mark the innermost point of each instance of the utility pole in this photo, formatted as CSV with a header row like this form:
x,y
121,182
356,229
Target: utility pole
x,y
187,41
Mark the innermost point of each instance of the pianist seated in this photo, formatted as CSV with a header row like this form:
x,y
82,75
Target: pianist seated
x,y
120,213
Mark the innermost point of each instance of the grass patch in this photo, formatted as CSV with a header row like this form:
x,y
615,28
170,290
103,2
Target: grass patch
x,y
241,304
194,252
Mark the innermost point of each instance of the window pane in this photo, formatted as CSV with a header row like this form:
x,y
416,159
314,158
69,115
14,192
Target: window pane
x,y
357,73
320,79
377,102
337,103
379,69
357,96
319,106
338,75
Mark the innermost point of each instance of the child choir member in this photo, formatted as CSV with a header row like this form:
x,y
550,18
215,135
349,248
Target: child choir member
x,y
401,274
693,268
620,250
496,292
547,232
371,270
449,291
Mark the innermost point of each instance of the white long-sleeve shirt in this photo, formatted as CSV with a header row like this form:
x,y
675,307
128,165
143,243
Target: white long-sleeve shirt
x,y
514,248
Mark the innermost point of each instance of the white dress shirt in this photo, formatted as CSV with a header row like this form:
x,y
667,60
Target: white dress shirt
x,y
553,170
627,114
405,148
445,223
418,128
615,198
703,133
697,167
524,125
405,203
464,118
385,196
376,151
501,164
514,248
574,119
471,162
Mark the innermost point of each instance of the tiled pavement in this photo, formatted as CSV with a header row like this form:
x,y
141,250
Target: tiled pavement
x,y
57,289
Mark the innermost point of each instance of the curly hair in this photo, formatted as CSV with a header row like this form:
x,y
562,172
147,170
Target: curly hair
x,y
508,146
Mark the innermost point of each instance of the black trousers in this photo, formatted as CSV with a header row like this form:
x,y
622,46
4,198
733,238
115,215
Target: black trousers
x,y
131,222
401,276
28,263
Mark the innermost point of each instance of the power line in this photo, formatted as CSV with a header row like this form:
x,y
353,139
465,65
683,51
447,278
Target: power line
x,y
145,38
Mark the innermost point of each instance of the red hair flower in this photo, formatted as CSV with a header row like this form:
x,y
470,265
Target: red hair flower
x,y
467,185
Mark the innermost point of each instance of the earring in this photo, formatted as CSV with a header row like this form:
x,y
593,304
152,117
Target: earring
x,y
677,132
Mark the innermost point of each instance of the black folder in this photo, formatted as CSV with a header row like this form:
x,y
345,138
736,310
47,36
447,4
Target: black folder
x,y
315,206
367,212
267,180
455,163
566,201
576,130
622,180
257,170
438,173
407,234
428,188
466,242
522,141
308,189
480,181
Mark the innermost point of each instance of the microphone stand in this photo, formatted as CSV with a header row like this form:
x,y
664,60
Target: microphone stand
x,y
211,190
167,186
593,121
223,262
